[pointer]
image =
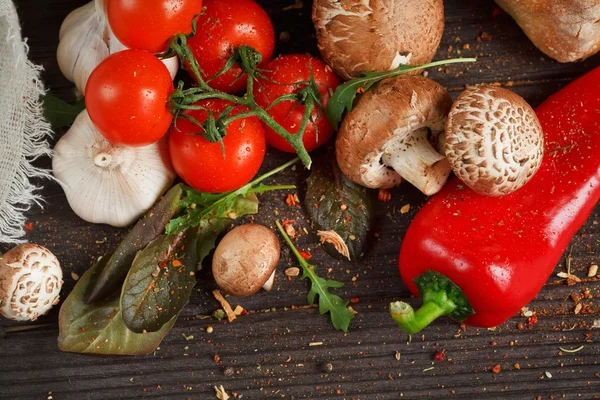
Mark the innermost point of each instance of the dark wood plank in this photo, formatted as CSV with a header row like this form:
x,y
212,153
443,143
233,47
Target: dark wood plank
x,y
269,348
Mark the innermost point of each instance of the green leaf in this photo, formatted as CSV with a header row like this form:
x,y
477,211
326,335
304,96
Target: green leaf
x,y
161,278
146,230
328,302
343,97
158,285
201,206
60,113
99,328
343,207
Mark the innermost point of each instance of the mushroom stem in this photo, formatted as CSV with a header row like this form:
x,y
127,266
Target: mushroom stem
x,y
269,283
415,160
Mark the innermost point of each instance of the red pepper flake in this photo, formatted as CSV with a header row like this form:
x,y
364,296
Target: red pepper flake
x,y
290,200
440,355
28,226
532,320
305,254
176,263
496,368
354,300
217,358
288,221
384,195
484,36
497,11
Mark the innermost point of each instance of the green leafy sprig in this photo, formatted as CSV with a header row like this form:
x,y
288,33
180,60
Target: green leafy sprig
x,y
343,97
328,302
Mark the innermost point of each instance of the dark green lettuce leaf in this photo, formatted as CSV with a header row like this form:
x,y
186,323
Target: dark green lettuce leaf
x,y
99,328
334,202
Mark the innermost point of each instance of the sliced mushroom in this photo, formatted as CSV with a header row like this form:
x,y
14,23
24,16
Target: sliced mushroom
x,y
356,36
494,140
245,260
386,137
30,282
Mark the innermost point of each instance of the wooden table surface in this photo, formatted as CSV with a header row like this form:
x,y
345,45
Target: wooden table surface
x,y
268,349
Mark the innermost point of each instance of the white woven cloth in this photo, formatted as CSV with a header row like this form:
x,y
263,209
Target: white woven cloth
x,y
23,130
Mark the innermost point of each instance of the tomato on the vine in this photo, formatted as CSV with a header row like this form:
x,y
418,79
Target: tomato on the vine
x,y
126,98
225,25
148,25
205,165
278,80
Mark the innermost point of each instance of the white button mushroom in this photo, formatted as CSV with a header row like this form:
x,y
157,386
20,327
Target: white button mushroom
x,y
105,183
494,140
245,260
30,282
356,36
386,137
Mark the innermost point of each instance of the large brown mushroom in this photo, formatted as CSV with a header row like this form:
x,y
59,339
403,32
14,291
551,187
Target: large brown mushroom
x,y
356,36
494,140
386,137
566,30
245,260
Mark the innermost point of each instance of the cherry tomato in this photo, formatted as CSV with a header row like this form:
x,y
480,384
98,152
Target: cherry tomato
x,y
149,24
280,74
200,163
126,98
225,25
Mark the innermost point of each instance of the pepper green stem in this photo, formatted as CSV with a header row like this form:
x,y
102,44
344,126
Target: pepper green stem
x,y
411,321
440,297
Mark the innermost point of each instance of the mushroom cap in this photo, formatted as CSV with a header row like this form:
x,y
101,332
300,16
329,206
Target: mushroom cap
x,y
494,140
245,259
388,112
30,282
356,36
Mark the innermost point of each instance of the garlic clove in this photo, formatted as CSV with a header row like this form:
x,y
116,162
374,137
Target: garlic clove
x,y
30,282
109,184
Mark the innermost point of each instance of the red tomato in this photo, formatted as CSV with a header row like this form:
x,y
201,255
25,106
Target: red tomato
x,y
200,163
126,98
149,24
278,78
225,25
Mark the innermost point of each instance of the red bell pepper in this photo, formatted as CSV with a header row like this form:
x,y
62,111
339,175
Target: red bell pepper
x,y
481,259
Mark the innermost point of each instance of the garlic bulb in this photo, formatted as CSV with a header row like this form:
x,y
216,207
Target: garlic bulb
x,y
85,39
30,282
109,184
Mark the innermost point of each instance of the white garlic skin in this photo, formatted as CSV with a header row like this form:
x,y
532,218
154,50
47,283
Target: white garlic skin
x,y
109,184
85,39
30,282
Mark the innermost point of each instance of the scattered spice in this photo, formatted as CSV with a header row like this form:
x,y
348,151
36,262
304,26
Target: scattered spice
x,y
294,271
328,367
428,369
209,329
440,355
228,371
305,254
221,393
74,276
578,308
572,350
592,271
239,310
312,344
188,338
336,240
289,229
230,314
290,200
496,368
548,375
397,355
384,195
405,209
517,366
28,226
532,320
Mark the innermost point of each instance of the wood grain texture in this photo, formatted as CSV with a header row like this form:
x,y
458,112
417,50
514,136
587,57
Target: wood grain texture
x,y
268,349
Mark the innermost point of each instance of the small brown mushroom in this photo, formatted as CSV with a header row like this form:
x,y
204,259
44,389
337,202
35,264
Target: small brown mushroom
x,y
386,137
30,282
356,36
494,140
245,260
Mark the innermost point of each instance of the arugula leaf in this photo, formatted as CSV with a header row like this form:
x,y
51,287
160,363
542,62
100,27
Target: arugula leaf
x,y
161,278
60,113
328,302
343,97
343,207
99,328
200,206
144,231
